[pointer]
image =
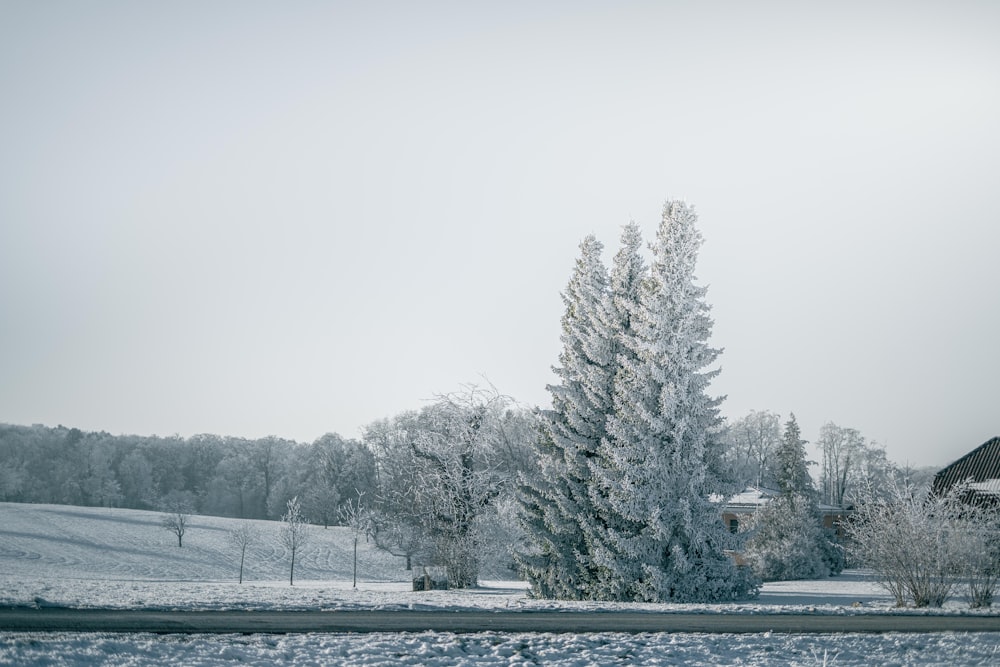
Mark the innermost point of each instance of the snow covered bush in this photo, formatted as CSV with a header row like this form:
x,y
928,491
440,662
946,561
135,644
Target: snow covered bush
x,y
786,541
924,547
834,553
979,546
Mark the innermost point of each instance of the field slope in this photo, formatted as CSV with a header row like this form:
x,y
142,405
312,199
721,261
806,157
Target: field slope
x,y
55,555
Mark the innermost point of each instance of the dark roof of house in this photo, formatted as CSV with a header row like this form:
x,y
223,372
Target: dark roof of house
x,y
979,465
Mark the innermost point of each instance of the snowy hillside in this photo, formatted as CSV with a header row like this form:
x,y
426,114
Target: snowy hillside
x,y
87,556
98,557
90,542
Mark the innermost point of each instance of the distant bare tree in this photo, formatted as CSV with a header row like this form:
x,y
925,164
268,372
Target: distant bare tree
x,y
400,536
842,449
751,442
294,533
356,516
177,505
241,537
176,522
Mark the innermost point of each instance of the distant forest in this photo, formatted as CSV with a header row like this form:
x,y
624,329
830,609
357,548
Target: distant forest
x,y
465,444
422,483
207,474
253,479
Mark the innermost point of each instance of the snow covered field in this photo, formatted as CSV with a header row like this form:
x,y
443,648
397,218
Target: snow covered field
x,y
96,557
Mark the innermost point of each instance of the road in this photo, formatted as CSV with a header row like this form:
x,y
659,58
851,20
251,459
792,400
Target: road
x,y
194,622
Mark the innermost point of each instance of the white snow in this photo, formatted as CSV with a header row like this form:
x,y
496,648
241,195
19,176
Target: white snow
x,y
991,486
436,649
99,557
96,557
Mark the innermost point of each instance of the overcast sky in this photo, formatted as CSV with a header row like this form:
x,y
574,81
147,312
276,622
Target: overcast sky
x,y
291,218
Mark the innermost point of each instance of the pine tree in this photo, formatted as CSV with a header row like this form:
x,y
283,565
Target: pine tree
x,y
790,469
786,538
664,538
556,510
620,308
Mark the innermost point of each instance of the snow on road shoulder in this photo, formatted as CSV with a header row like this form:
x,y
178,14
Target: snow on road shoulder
x,y
434,649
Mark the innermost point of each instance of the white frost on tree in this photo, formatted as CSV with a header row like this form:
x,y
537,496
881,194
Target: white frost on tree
x,y
621,310
556,510
841,449
241,537
750,443
356,516
851,465
922,547
789,469
440,471
294,533
664,537
785,540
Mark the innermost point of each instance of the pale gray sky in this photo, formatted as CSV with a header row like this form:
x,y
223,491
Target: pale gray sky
x,y
254,218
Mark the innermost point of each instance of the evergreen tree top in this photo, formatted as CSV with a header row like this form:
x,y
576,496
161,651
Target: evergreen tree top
x,y
791,471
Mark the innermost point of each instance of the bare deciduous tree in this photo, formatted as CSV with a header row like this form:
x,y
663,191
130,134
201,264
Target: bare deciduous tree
x,y
400,536
176,523
294,533
356,516
750,442
242,537
178,513
842,449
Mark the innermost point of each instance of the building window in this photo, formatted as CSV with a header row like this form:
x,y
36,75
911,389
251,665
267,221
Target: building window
x,y
734,525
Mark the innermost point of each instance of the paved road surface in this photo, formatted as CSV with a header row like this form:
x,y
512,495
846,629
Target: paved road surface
x,y
104,620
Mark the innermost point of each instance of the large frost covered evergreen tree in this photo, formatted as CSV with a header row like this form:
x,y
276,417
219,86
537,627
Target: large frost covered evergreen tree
x,y
556,510
628,459
664,536
621,306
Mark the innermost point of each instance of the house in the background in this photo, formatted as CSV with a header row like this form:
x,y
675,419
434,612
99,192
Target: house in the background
x,y
745,504
979,470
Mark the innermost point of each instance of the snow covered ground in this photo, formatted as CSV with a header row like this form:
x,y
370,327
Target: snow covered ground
x,y
97,557
433,649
